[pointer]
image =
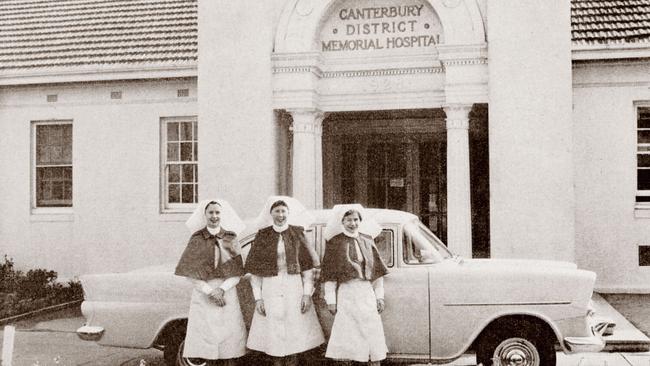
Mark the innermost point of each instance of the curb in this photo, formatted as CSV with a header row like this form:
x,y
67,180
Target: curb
x,y
46,310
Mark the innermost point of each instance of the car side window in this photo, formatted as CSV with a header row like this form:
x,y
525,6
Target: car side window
x,y
385,243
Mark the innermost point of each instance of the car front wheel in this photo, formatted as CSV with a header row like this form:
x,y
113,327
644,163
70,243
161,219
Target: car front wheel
x,y
525,346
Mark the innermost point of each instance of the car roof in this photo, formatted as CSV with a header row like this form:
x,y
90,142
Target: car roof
x,y
381,215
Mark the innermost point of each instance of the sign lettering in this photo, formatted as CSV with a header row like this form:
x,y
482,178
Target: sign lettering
x,y
358,28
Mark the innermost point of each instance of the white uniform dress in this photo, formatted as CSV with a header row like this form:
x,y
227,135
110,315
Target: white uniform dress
x,y
215,332
284,330
357,333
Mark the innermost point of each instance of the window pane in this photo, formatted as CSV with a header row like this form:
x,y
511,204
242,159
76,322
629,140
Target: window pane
x,y
643,179
186,151
196,152
172,151
194,124
172,131
188,173
643,160
644,118
188,193
644,137
186,131
54,144
174,194
174,173
54,186
384,243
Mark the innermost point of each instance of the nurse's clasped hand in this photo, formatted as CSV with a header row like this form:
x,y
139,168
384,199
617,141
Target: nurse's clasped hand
x,y
217,295
259,307
305,303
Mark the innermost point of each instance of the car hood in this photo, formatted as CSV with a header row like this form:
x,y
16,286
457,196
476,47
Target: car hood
x,y
512,282
167,267
526,263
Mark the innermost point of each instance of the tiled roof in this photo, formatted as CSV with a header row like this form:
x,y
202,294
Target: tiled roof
x,y
65,34
37,34
599,22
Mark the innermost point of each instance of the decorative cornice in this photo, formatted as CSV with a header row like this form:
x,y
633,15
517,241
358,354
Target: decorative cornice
x,y
382,72
298,70
464,61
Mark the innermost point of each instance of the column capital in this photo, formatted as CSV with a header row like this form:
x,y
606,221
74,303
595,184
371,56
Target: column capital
x,y
307,120
457,116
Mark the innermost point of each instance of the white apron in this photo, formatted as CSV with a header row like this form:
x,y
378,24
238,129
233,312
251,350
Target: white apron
x,y
215,332
357,333
284,330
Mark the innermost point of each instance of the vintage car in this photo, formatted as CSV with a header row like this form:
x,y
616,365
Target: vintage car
x,y
438,305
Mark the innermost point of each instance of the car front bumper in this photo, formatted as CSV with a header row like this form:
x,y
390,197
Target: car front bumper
x,y
90,333
591,343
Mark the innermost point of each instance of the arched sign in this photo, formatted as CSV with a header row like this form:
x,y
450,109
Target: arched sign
x,y
383,26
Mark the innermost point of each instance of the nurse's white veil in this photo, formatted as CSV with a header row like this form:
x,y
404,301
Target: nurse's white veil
x,y
229,219
334,226
298,214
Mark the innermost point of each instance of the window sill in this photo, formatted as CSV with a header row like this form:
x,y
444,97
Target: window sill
x,y
52,214
642,211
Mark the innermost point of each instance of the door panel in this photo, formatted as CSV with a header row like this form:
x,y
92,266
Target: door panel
x,y
406,317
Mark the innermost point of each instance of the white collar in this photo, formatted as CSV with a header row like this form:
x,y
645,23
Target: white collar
x,y
279,229
351,235
213,231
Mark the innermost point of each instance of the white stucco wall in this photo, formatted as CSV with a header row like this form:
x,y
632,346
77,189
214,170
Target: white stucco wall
x,y
235,93
530,133
115,223
604,121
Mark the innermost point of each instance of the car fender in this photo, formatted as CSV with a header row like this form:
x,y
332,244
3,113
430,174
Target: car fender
x,y
485,324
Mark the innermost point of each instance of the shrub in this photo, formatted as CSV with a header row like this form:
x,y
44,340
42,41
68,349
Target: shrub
x,y
23,292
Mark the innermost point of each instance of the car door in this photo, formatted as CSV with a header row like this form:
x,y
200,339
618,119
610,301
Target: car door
x,y
406,317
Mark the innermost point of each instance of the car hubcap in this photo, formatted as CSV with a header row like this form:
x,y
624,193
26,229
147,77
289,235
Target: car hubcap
x,y
516,352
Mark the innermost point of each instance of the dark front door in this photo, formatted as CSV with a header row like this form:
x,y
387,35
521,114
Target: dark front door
x,y
388,178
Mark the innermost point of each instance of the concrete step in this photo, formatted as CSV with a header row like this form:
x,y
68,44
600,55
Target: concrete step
x,y
626,337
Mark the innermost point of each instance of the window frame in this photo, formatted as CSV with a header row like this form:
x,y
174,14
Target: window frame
x,y
35,209
165,205
640,205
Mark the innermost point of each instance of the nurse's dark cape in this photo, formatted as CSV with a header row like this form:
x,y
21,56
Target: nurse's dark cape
x,y
198,258
262,259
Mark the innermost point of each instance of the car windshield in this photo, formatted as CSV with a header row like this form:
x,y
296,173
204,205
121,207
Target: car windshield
x,y
421,245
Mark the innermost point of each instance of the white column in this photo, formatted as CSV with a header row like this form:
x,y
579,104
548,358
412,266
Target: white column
x,y
307,159
459,212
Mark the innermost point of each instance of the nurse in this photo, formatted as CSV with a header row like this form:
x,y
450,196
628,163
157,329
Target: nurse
x,y
216,333
282,264
352,263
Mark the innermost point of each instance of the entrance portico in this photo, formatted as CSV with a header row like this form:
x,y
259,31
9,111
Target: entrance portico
x,y
346,56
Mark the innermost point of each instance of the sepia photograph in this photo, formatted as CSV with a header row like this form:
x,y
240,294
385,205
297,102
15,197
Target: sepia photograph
x,y
324,182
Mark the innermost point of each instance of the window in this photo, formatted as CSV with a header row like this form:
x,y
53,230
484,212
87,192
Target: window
x,y
52,164
179,163
421,246
643,156
384,244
